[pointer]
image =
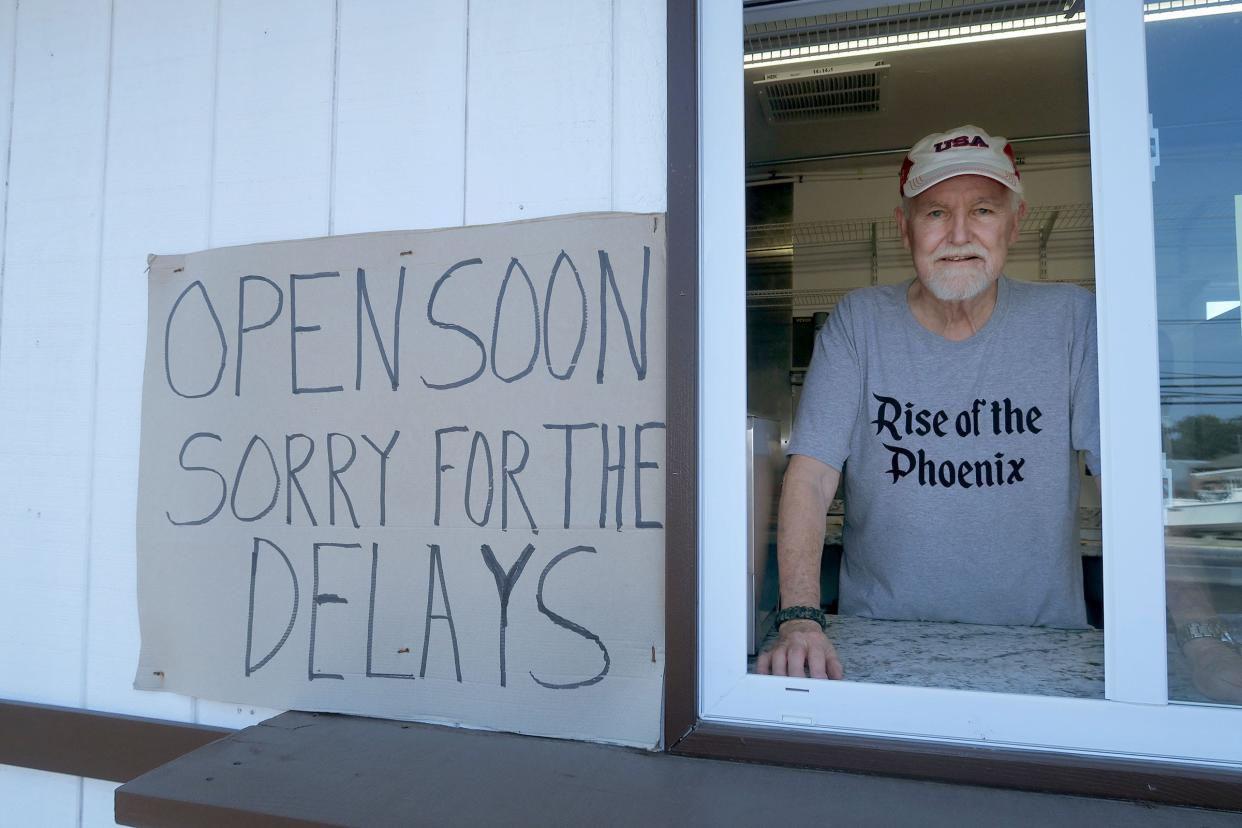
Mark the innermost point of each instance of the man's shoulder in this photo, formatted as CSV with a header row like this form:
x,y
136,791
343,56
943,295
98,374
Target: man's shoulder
x,y
1052,295
873,299
1060,310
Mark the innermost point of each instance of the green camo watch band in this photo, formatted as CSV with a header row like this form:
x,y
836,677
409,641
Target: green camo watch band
x,y
802,613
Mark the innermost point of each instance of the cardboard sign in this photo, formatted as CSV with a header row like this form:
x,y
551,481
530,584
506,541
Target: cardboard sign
x,y
417,475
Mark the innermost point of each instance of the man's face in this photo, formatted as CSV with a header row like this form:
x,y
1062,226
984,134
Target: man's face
x,y
958,233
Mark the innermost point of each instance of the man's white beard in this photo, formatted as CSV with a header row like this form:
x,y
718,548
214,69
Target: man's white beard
x,y
959,284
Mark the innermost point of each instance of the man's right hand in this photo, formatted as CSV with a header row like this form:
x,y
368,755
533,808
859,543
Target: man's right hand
x,y
802,649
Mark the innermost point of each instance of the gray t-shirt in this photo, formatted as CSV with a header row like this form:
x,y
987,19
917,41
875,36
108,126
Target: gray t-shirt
x,y
960,472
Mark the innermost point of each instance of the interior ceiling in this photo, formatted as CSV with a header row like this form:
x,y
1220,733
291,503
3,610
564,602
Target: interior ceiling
x,y
1021,87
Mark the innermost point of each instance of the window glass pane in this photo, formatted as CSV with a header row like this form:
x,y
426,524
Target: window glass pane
x,y
1194,65
962,547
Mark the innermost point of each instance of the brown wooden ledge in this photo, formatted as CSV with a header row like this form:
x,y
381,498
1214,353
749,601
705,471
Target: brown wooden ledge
x,y
305,769
93,744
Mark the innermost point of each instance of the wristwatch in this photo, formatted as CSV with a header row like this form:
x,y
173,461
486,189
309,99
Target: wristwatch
x,y
802,613
1206,628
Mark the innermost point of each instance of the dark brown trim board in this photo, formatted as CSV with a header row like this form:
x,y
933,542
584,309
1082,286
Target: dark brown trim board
x,y
684,732
681,611
304,769
1158,782
92,744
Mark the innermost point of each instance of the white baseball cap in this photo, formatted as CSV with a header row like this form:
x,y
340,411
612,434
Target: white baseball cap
x,y
966,150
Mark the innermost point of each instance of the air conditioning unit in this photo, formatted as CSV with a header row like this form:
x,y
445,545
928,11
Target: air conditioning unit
x,y
824,93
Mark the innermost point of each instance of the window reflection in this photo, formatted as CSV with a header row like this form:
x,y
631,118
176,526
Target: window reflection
x,y
1193,68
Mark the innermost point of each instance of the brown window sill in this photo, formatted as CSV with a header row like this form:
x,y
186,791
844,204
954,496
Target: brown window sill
x,y
302,769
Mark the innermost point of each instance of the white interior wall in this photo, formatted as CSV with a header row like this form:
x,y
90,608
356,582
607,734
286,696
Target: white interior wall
x,y
871,192
143,126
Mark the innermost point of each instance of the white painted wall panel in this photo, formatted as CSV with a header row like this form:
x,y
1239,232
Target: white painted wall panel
x,y
8,49
170,127
273,120
37,798
98,806
157,195
47,345
539,101
400,115
273,150
639,68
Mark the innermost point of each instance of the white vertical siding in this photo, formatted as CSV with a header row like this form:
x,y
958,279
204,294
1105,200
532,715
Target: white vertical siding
x,y
273,152
273,149
638,110
97,804
400,115
32,558
156,193
8,59
47,344
36,798
539,109
149,126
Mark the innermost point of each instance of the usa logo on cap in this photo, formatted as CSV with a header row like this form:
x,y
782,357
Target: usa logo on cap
x,y
961,141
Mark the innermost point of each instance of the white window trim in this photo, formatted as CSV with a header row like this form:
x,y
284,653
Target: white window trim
x,y
1135,666
1135,719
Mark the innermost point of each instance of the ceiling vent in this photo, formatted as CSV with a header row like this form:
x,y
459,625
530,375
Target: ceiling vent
x,y
823,93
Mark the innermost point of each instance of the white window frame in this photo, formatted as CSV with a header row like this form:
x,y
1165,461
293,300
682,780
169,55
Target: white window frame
x,y
1134,719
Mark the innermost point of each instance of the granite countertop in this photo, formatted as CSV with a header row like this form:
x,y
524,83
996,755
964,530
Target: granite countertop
x,y
1034,660
1027,660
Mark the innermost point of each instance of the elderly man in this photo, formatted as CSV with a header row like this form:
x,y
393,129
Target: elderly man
x,y
956,402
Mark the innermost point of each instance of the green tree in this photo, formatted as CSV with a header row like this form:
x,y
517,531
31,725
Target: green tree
x,y
1205,437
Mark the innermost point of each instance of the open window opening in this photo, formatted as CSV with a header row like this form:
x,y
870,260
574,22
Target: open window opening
x,y
830,116
1142,713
